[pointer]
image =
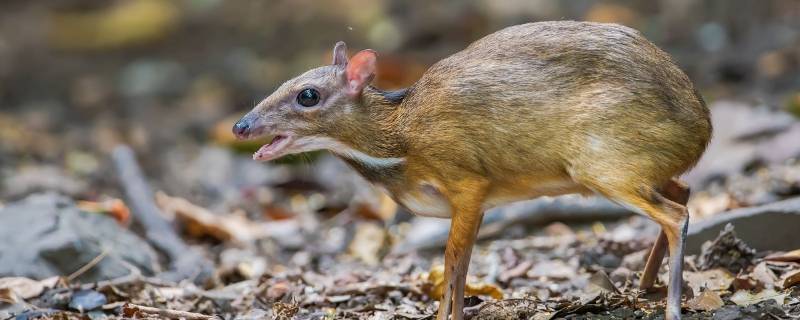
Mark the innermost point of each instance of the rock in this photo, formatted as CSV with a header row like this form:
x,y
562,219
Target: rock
x,y
779,219
87,300
41,178
57,239
728,313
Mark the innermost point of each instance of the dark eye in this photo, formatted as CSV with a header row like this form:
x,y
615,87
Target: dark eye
x,y
308,97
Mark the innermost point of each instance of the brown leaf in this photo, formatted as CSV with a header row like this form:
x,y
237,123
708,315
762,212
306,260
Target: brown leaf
x,y
708,300
115,208
791,279
517,271
235,227
369,242
434,287
745,282
791,256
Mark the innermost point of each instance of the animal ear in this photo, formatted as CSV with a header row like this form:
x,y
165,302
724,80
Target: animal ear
x,y
340,54
360,71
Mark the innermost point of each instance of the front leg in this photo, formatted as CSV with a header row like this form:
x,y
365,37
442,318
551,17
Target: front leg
x,y
466,201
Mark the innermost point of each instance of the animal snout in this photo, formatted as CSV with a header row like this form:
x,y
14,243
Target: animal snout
x,y
244,127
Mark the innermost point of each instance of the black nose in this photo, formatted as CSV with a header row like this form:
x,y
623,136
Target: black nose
x,y
241,127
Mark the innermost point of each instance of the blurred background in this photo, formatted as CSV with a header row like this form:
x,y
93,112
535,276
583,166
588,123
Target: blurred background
x,y
169,78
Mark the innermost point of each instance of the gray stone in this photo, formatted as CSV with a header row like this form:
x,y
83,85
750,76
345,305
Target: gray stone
x,y
45,235
769,227
87,300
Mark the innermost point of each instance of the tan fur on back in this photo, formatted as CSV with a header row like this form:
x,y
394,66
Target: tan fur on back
x,y
548,102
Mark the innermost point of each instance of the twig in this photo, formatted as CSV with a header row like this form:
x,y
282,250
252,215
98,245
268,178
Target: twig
x,y
88,266
186,263
132,310
529,213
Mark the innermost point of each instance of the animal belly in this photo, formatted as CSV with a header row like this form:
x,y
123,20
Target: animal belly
x,y
424,204
530,190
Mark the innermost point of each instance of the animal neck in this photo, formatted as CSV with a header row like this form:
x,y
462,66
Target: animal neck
x,y
377,139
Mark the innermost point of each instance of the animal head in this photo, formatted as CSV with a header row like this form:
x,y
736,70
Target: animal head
x,y
308,112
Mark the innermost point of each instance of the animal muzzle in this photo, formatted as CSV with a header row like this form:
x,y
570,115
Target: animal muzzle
x,y
247,127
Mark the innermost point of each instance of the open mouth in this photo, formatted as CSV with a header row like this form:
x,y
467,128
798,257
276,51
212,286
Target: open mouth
x,y
274,149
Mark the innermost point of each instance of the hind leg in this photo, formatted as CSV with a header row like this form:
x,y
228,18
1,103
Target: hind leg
x,y
673,218
678,192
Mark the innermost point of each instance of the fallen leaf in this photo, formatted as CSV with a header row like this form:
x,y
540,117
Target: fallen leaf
x,y
599,284
791,279
235,227
746,298
764,274
600,281
115,208
484,289
515,272
20,287
745,282
555,269
369,242
278,289
339,298
791,256
434,286
708,300
715,279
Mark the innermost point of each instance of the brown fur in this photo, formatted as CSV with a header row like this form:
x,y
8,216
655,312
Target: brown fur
x,y
536,109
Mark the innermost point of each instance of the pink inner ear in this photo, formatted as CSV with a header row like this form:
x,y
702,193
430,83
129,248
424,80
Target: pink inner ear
x,y
360,70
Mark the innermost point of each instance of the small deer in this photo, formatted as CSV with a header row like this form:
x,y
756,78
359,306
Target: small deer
x,y
536,109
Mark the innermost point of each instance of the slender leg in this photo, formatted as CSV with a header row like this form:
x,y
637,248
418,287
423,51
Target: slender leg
x,y
467,215
673,218
676,246
679,193
654,262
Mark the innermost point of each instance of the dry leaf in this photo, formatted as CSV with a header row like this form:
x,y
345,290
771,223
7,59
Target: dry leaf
x,y
600,281
233,227
715,279
791,256
764,274
434,287
116,208
369,242
708,300
484,289
745,298
555,269
12,288
745,282
599,284
791,279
